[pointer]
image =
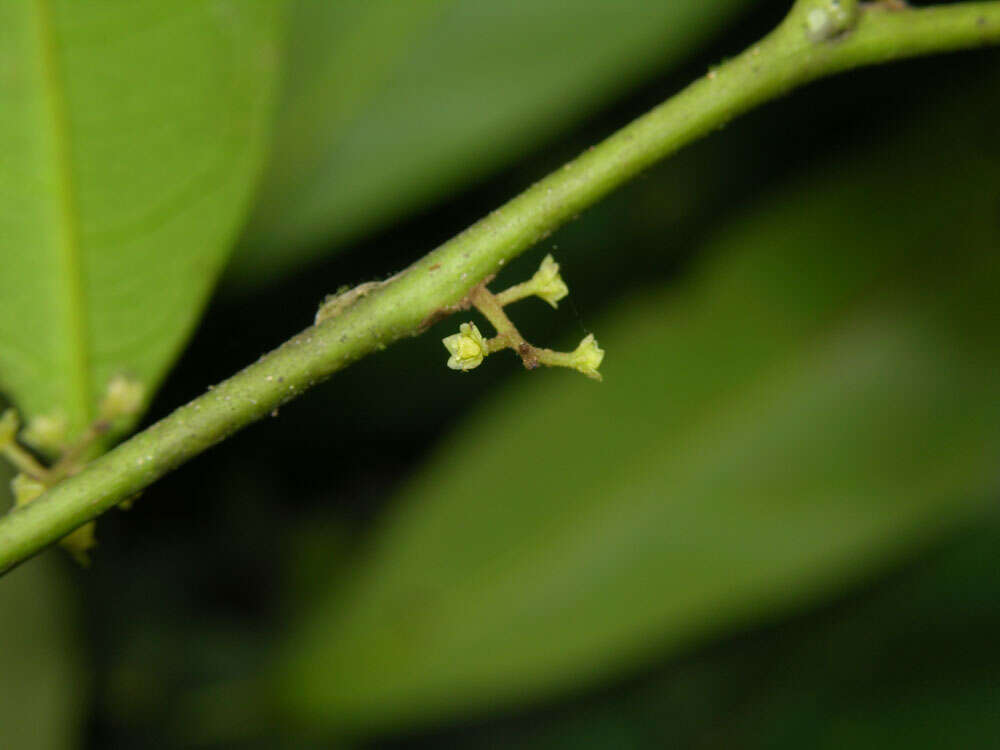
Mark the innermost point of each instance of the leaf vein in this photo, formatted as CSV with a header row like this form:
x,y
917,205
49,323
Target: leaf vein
x,y
73,288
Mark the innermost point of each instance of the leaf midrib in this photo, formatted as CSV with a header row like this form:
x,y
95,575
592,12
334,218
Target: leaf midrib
x,y
73,334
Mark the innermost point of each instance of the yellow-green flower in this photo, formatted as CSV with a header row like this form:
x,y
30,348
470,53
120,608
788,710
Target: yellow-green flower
x,y
587,357
46,433
467,348
123,398
547,282
25,489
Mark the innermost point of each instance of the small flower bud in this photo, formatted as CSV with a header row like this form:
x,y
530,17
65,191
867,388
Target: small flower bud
x,y
9,425
467,348
79,543
124,398
547,282
46,433
25,489
587,357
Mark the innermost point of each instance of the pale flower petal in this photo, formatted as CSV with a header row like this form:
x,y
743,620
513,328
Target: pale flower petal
x,y
587,357
467,348
548,283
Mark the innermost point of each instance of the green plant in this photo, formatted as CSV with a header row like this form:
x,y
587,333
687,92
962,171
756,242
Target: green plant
x,y
854,357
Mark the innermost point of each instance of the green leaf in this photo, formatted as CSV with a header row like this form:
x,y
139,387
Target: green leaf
x,y
389,105
41,680
912,663
819,398
915,667
129,143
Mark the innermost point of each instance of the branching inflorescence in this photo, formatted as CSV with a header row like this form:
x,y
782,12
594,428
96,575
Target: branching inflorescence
x,y
468,347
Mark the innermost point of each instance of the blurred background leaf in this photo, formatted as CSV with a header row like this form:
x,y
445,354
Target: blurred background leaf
x,y
388,105
819,398
43,688
131,137
908,662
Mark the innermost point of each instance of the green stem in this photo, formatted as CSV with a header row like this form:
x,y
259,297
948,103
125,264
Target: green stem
x,y
806,46
516,293
552,358
497,344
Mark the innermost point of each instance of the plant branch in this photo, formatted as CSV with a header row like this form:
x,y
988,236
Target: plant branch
x,y
818,38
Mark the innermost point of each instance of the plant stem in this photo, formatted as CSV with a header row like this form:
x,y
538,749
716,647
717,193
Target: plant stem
x,y
818,38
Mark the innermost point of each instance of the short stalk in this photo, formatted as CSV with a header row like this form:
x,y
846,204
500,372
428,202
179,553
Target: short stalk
x,y
552,358
24,462
486,302
496,344
516,293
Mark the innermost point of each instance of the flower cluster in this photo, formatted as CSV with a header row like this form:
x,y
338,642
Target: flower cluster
x,y
468,348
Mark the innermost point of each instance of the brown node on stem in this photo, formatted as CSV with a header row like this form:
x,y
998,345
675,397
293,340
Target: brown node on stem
x,y
528,356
